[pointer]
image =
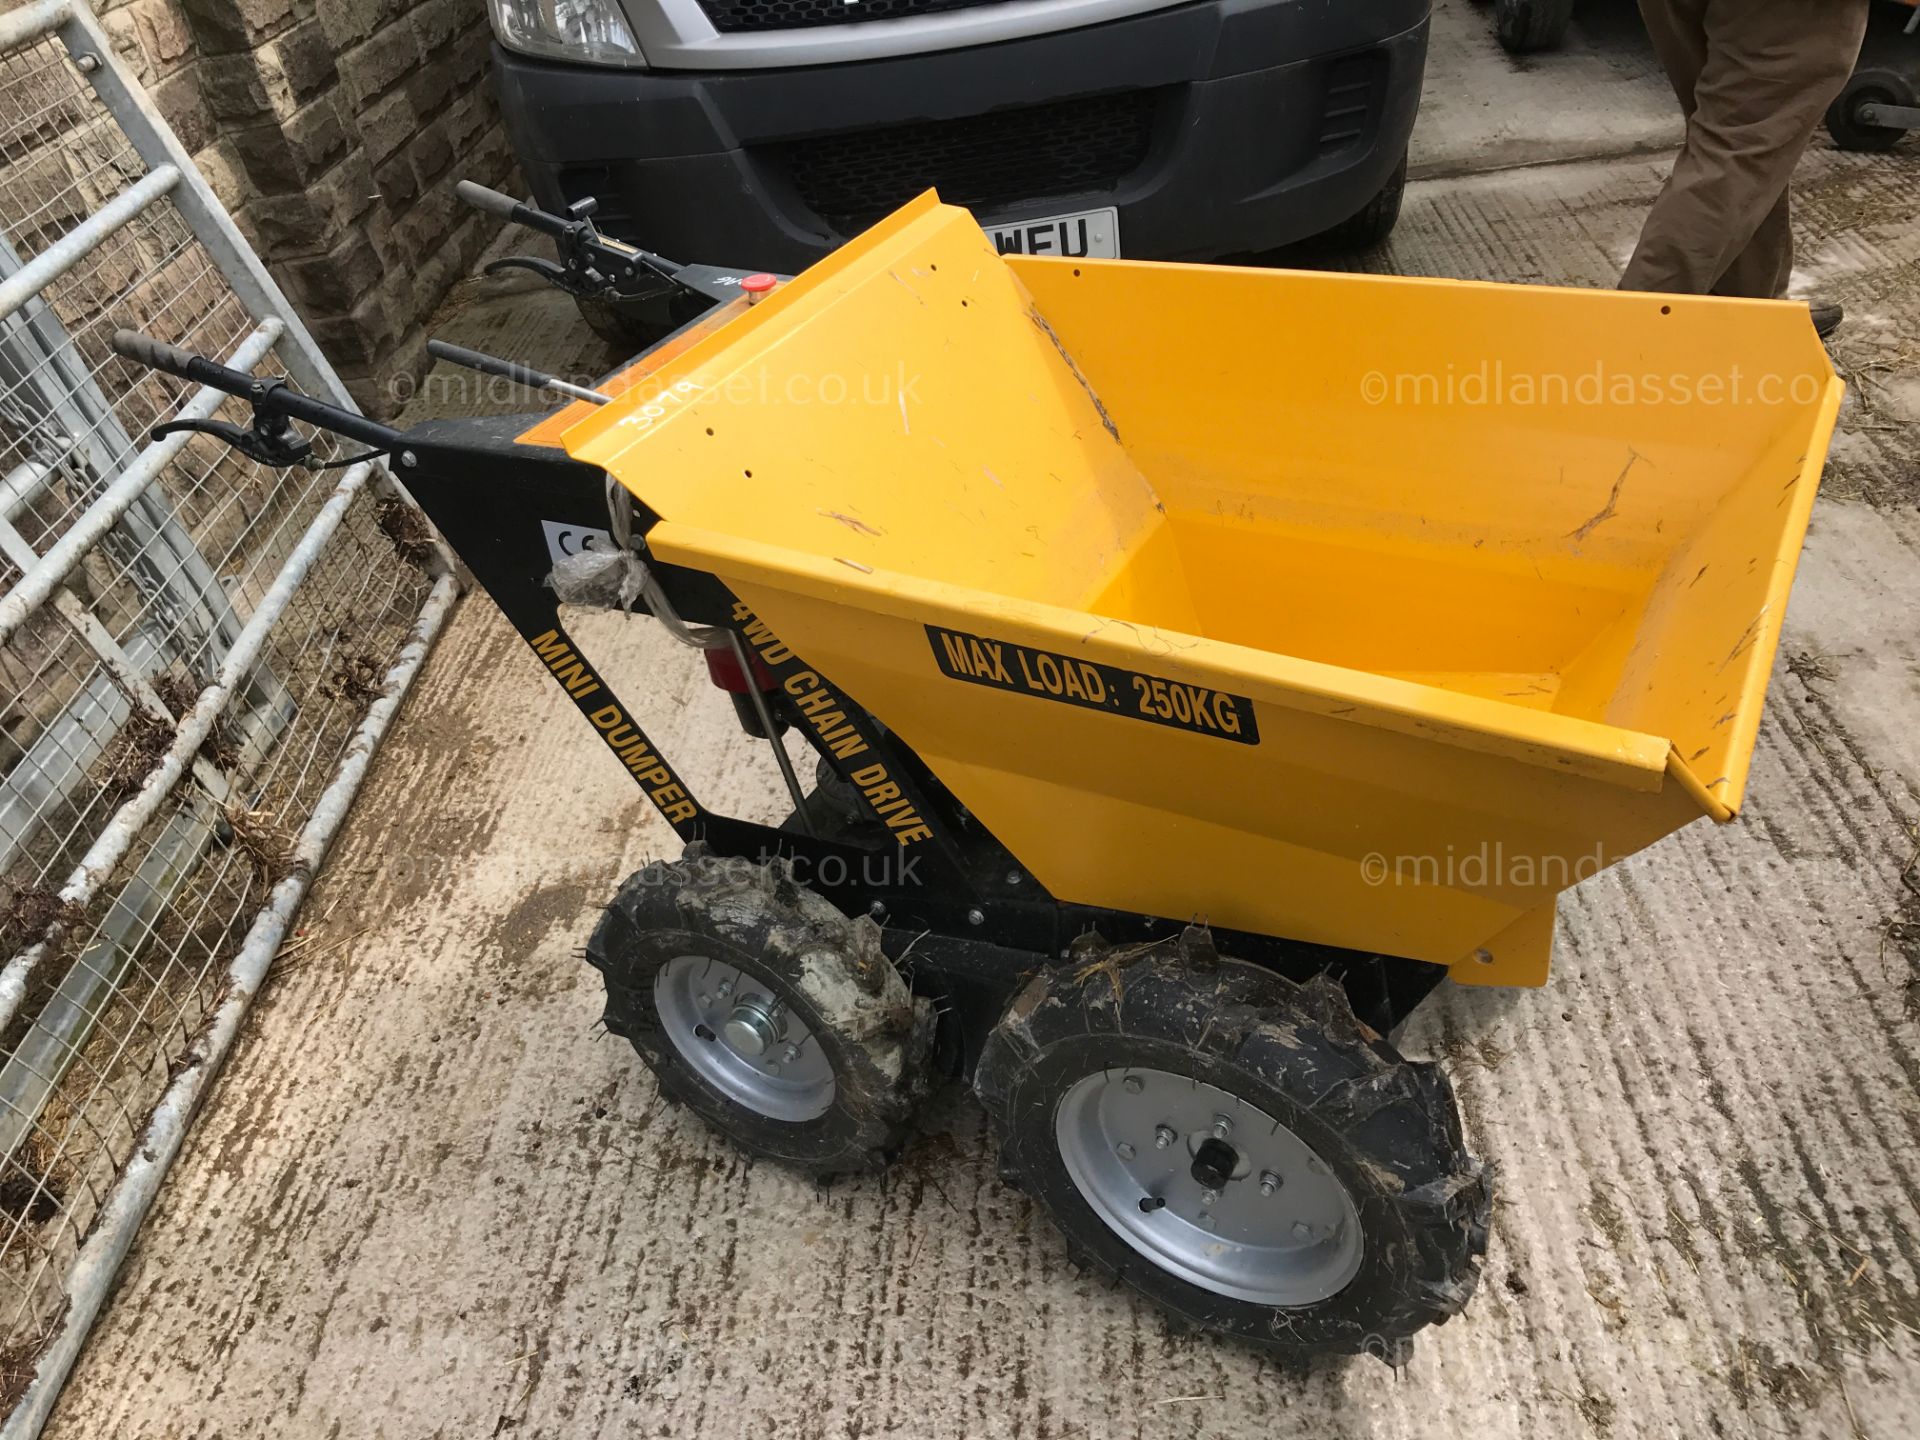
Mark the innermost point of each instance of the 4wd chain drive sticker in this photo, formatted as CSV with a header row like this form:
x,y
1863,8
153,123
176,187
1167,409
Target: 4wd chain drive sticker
x,y
1073,681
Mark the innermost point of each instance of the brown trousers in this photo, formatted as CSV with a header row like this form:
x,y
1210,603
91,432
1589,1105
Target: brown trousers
x,y
1753,77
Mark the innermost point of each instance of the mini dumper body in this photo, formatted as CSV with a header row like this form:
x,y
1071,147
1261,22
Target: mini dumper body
x,y
1200,665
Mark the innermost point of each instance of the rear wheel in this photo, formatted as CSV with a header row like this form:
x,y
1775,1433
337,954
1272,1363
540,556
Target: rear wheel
x,y
1238,1149
765,1010
1525,26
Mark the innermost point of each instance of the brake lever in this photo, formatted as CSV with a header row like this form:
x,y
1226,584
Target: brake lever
x,y
591,265
271,440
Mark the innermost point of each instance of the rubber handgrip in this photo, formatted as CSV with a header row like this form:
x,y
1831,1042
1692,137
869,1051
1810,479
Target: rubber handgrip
x,y
154,354
491,201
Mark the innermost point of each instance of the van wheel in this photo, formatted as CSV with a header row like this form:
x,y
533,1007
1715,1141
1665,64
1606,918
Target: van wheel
x,y
1238,1149
1375,220
1525,26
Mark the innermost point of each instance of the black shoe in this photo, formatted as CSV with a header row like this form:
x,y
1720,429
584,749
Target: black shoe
x,y
1826,319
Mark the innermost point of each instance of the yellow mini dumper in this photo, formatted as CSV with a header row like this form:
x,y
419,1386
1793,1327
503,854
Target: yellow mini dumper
x,y
1200,665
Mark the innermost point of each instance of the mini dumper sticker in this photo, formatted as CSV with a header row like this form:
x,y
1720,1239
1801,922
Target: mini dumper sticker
x,y
1074,681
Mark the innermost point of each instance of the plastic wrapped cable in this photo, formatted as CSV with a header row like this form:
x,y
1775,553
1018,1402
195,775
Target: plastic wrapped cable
x,y
604,579
601,579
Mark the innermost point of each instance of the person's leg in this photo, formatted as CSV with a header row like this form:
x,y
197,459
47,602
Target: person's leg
x,y
1678,29
1762,267
1772,67
1761,270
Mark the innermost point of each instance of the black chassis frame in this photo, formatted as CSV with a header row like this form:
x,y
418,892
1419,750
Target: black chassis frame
x,y
976,923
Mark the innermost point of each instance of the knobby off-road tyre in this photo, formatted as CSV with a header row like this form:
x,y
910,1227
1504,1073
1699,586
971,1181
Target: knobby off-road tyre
x,y
1101,1045
694,952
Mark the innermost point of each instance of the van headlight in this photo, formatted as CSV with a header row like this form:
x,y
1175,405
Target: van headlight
x,y
591,30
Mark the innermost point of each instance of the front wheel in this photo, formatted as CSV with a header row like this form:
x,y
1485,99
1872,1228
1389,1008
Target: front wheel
x,y
1238,1149
766,1011
1374,221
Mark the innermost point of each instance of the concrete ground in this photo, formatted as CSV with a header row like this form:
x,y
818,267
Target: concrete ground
x,y
1486,110
431,1198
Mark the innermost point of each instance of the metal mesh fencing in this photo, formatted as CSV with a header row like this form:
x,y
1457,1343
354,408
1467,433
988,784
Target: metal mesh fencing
x,y
197,654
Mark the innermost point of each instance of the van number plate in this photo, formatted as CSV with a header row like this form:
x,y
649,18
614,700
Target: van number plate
x,y
1084,233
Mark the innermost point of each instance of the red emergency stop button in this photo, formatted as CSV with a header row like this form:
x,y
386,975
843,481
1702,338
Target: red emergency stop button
x,y
758,287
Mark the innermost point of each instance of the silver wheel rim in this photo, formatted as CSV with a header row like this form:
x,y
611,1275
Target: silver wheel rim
x,y
1275,1227
716,1015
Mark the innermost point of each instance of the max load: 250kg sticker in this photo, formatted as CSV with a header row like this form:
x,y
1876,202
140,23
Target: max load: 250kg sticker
x,y
1070,680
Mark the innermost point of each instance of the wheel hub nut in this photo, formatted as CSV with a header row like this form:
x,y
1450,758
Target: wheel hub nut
x,y
1213,1165
1269,1182
1163,1137
754,1026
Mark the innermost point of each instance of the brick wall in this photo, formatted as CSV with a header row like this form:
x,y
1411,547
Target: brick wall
x,y
335,130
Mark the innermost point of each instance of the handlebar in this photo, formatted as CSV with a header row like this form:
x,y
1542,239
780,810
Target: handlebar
x,y
590,263
270,397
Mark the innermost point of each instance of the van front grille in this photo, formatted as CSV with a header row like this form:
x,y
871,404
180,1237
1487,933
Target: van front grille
x,y
733,16
1005,157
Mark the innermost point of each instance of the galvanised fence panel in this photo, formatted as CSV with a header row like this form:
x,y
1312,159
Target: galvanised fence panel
x,y
198,654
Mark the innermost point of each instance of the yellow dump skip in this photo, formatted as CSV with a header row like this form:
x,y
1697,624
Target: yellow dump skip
x,y
1366,611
